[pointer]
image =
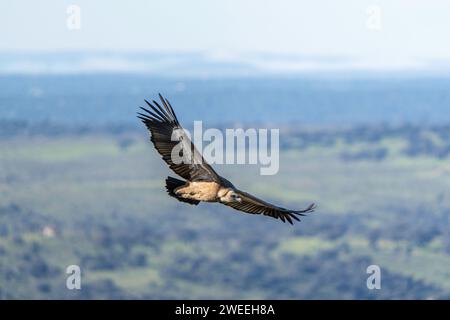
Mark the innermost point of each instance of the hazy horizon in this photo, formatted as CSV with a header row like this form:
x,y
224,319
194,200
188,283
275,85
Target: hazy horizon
x,y
206,64
401,34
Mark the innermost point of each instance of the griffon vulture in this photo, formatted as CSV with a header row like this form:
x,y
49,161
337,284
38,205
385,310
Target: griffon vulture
x,y
201,183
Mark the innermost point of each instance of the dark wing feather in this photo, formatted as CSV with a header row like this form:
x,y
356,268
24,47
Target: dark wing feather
x,y
251,204
161,121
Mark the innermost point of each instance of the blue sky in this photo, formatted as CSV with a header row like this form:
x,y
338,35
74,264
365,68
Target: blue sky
x,y
410,30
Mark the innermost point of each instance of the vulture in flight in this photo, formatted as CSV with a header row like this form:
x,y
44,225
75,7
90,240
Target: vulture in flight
x,y
201,182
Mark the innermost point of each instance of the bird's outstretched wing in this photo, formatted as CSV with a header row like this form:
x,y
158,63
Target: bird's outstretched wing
x,y
167,134
251,204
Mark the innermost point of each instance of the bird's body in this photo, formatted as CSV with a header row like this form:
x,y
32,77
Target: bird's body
x,y
202,183
201,191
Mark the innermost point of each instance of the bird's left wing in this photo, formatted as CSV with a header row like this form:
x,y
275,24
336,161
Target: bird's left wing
x,y
253,205
167,134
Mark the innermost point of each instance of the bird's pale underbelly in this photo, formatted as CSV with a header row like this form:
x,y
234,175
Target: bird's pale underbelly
x,y
202,191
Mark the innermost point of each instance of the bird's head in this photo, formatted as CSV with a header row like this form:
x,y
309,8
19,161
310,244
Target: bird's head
x,y
231,196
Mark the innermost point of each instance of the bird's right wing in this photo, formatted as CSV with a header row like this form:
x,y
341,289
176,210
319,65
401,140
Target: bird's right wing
x,y
167,134
252,204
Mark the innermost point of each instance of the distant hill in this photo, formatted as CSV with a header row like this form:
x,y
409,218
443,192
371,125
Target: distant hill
x,y
325,99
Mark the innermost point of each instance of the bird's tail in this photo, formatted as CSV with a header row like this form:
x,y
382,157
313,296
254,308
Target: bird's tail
x,y
172,184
